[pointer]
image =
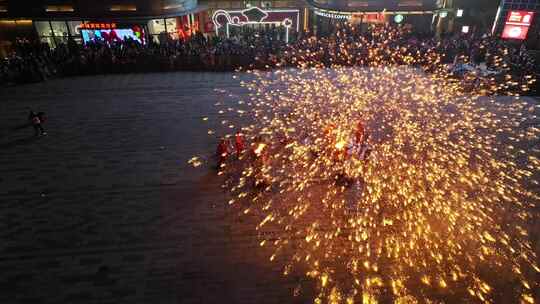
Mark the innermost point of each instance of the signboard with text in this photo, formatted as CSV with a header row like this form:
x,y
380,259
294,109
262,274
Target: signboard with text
x,y
517,25
97,26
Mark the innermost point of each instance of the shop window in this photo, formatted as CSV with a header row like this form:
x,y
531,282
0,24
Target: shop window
x,y
171,25
43,28
157,30
61,40
172,28
123,8
59,28
45,33
47,40
156,26
57,32
155,38
59,8
73,27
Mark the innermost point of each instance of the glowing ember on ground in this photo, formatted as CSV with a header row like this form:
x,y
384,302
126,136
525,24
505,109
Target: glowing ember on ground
x,y
437,212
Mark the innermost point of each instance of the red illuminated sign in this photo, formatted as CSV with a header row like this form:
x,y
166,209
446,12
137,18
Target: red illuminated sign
x,y
97,26
517,25
519,18
515,32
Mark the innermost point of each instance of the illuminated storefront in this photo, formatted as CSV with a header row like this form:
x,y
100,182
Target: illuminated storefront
x,y
57,22
229,22
177,27
140,20
180,27
330,13
57,32
60,32
287,19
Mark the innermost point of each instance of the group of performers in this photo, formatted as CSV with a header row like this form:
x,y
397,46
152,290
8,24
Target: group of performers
x,y
355,147
258,152
224,149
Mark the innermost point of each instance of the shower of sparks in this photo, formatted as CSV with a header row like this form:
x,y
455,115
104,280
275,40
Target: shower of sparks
x,y
438,213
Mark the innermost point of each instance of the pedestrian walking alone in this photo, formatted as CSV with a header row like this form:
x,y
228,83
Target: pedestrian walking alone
x,y
36,121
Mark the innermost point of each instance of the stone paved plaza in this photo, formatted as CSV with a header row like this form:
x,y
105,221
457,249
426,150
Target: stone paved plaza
x,y
105,208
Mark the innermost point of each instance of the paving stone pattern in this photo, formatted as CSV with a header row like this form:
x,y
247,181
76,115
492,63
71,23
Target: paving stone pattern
x,y
105,209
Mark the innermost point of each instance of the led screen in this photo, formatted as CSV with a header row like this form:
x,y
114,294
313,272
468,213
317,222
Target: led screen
x,y
517,25
515,32
110,35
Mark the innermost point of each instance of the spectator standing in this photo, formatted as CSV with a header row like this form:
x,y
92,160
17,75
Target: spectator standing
x,y
36,122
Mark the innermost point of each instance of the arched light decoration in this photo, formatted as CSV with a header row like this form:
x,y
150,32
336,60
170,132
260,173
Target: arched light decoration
x,y
255,15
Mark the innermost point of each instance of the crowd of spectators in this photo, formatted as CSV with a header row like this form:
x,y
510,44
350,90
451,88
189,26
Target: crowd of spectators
x,y
399,45
34,62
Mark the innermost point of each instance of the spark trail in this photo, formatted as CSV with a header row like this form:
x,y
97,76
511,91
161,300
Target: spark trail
x,y
438,213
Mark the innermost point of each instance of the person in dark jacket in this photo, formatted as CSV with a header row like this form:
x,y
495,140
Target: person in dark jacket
x,y
36,121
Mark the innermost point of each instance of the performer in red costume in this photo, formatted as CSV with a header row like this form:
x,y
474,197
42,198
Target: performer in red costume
x,y
360,133
239,143
222,152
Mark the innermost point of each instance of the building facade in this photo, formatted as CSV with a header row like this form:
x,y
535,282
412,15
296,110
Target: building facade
x,y
417,13
58,21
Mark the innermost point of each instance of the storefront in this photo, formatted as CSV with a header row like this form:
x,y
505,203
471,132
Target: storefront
x,y
55,32
287,19
283,22
58,32
325,21
328,14
82,21
178,27
159,20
